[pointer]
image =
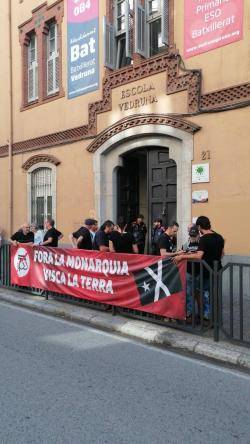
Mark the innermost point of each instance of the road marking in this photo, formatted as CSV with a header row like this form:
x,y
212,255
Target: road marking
x,y
233,372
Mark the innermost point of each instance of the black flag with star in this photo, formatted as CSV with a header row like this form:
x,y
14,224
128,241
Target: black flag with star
x,y
157,281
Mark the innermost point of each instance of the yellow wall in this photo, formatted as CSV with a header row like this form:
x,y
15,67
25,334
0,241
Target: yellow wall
x,y
222,67
226,136
4,196
74,181
4,74
48,118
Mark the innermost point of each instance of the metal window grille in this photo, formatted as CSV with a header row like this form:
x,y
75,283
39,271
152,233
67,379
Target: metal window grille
x,y
52,60
41,195
32,69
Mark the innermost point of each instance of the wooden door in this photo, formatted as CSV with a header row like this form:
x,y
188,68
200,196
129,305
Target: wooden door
x,y
162,186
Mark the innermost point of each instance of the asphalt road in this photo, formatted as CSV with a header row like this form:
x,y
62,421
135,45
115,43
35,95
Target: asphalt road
x,y
65,383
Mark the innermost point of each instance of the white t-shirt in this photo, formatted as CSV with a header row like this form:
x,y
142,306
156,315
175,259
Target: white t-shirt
x,y
38,237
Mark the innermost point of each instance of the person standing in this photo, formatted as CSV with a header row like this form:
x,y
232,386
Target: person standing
x,y
139,231
93,230
82,238
157,231
210,249
121,241
101,241
166,245
193,270
23,236
52,235
38,234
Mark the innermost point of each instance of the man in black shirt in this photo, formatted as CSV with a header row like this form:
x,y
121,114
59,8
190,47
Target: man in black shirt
x,y
139,231
82,238
165,242
193,270
101,241
211,248
52,235
157,231
120,241
23,236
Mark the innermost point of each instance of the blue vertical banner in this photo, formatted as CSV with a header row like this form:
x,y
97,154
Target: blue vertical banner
x,y
83,47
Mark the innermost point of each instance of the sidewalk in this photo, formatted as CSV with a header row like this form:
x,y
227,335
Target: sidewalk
x,y
151,333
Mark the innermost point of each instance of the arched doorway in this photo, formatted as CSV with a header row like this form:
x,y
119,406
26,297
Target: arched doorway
x,y
147,184
111,149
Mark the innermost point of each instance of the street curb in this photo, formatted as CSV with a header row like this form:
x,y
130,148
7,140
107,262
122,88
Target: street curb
x,y
151,333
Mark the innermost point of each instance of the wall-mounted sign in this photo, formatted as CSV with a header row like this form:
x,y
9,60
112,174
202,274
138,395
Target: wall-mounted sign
x,y
200,173
211,24
200,196
137,96
83,47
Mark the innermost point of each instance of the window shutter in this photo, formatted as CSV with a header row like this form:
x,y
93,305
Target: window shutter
x,y
109,44
52,60
32,70
128,30
140,29
165,21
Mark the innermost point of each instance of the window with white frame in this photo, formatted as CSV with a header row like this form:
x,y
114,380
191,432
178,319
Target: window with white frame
x,y
41,195
32,69
119,35
152,27
148,21
52,59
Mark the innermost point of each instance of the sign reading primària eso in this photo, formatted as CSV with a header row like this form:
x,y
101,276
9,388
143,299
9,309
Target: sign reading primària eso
x,y
210,24
83,47
146,283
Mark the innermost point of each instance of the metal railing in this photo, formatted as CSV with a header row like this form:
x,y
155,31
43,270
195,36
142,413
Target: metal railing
x,y
218,301
234,302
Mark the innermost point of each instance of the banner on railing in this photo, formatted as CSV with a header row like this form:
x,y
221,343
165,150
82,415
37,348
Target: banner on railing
x,y
146,283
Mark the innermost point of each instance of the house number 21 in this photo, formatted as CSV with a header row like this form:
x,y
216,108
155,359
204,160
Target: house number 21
x,y
205,155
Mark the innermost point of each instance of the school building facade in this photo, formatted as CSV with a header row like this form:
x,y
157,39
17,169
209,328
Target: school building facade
x,y
121,107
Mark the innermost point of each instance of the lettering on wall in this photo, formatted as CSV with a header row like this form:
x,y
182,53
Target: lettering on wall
x,y
137,97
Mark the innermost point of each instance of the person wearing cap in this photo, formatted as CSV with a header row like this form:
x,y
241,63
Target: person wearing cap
x,y
155,237
191,247
210,249
82,238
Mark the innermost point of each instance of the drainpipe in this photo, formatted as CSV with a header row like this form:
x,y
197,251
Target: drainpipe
x,y
10,123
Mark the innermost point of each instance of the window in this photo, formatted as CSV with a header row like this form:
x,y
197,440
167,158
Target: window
x,y
32,69
52,60
152,27
138,27
41,195
119,36
41,47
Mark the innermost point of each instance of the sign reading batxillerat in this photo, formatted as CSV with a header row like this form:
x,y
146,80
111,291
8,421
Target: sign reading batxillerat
x,y
211,24
83,50
137,96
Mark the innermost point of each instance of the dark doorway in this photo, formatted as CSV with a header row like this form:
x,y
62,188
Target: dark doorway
x,y
147,184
